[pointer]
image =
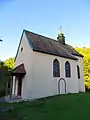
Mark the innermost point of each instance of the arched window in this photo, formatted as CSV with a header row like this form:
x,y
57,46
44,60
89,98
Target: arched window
x,y
56,69
67,69
78,72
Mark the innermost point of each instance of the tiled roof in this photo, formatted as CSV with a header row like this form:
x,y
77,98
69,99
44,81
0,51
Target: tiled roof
x,y
19,70
47,45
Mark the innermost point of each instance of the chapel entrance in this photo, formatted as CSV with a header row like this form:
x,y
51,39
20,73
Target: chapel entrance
x,y
19,91
19,72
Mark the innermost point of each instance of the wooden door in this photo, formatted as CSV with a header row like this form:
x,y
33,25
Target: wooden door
x,y
19,87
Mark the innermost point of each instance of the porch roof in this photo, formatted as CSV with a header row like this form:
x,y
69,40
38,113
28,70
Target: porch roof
x,y
19,70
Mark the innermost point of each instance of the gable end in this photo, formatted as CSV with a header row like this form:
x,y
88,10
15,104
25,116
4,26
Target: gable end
x,y
20,43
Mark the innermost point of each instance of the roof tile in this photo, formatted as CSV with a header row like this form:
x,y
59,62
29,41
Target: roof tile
x,y
50,46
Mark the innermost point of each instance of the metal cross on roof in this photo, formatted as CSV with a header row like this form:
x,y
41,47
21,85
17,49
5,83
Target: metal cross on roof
x,y
60,29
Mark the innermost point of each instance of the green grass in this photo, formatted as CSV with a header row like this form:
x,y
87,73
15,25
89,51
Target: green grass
x,y
64,107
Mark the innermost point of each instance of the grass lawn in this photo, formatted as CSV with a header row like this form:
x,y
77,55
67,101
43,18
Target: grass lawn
x,y
64,107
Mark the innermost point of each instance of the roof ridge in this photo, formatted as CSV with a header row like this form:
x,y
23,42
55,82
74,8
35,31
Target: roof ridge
x,y
41,35
51,41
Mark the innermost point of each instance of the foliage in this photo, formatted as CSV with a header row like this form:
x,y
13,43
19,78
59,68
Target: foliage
x,y
5,67
86,62
9,63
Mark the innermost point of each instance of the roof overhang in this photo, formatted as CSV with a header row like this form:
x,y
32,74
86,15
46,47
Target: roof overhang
x,y
19,71
56,54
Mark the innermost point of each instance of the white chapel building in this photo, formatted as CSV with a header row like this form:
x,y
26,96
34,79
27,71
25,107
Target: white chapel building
x,y
46,67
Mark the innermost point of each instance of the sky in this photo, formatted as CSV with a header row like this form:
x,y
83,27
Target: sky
x,y
43,17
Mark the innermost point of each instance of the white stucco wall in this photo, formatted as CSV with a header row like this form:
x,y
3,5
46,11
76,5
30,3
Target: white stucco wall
x,y
39,81
13,85
44,84
81,80
25,57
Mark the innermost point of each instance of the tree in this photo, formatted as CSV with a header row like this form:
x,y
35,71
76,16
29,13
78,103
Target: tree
x,y
9,63
5,67
86,62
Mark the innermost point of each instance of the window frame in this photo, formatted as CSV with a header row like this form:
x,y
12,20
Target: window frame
x,y
21,49
78,71
56,68
67,70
